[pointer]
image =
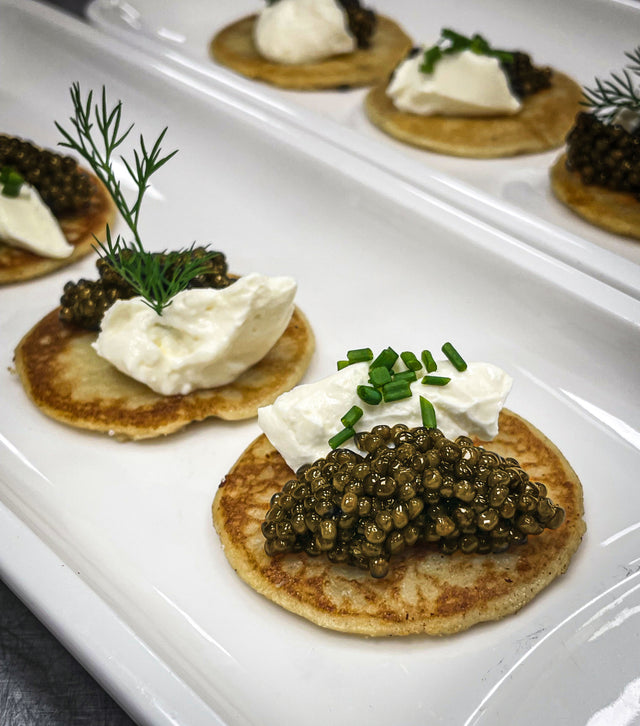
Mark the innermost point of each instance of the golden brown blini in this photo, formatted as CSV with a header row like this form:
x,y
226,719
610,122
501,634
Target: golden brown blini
x,y
425,591
542,124
68,381
233,47
17,264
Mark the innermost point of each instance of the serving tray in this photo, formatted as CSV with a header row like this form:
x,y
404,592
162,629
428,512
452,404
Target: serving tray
x,y
584,41
111,543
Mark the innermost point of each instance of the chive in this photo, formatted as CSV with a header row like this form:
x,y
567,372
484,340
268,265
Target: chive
x,y
428,413
343,364
455,357
396,390
409,376
410,360
379,375
11,190
360,355
351,416
387,359
369,395
435,380
341,437
428,361
12,182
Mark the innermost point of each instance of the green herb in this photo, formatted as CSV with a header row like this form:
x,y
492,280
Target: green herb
x,y
379,376
456,359
96,136
341,437
451,42
387,358
343,364
409,376
435,380
619,92
369,395
396,390
11,181
428,361
410,360
353,415
428,413
359,355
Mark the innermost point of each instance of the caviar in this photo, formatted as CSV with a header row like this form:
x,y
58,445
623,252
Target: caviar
x,y
85,302
413,486
525,79
362,22
63,186
604,154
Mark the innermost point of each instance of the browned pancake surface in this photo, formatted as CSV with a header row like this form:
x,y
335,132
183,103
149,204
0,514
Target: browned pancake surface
x,y
617,212
233,46
67,379
542,124
425,591
17,264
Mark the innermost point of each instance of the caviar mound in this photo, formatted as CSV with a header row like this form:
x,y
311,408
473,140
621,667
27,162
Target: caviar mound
x,y
80,229
68,381
425,591
233,47
615,211
542,124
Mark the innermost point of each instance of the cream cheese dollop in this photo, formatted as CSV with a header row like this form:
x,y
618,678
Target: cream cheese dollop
x,y
462,84
300,423
205,338
27,222
302,31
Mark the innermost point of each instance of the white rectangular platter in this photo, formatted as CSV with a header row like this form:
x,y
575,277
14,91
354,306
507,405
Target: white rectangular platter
x,y
585,40
111,543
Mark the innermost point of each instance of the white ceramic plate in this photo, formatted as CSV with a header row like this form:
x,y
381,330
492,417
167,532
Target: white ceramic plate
x,y
584,39
111,544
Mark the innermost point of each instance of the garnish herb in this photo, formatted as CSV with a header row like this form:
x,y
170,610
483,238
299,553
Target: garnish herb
x,y
451,42
353,415
11,181
428,413
435,380
429,364
617,93
410,360
97,141
456,359
359,355
369,395
341,437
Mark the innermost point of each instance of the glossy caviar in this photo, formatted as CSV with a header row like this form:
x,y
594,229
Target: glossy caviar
x,y
362,22
525,79
85,302
413,486
63,186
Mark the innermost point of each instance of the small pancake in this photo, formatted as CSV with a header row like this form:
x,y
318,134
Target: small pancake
x,y
617,212
17,264
233,46
425,591
66,378
542,124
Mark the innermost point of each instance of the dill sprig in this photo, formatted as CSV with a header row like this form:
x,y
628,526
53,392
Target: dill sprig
x,y
156,277
610,96
451,42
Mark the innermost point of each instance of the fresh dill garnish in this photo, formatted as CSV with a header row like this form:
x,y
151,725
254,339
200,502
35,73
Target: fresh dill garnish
x,y
617,93
451,42
156,277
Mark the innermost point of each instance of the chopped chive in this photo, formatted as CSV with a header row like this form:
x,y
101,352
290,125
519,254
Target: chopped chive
x,y
387,359
428,413
396,390
455,357
369,395
408,376
435,380
341,437
343,364
11,181
379,376
428,361
410,360
351,416
360,355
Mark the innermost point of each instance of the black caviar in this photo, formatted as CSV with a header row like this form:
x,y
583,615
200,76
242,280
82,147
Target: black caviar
x,y
63,186
84,303
362,22
605,154
413,486
525,79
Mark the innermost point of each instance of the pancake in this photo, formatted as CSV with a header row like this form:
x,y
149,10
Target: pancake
x,y
68,381
233,47
542,124
425,591
617,212
17,264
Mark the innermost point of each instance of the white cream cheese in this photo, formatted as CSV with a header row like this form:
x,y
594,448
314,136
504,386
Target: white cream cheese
x,y
300,423
302,31
27,222
205,338
462,84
